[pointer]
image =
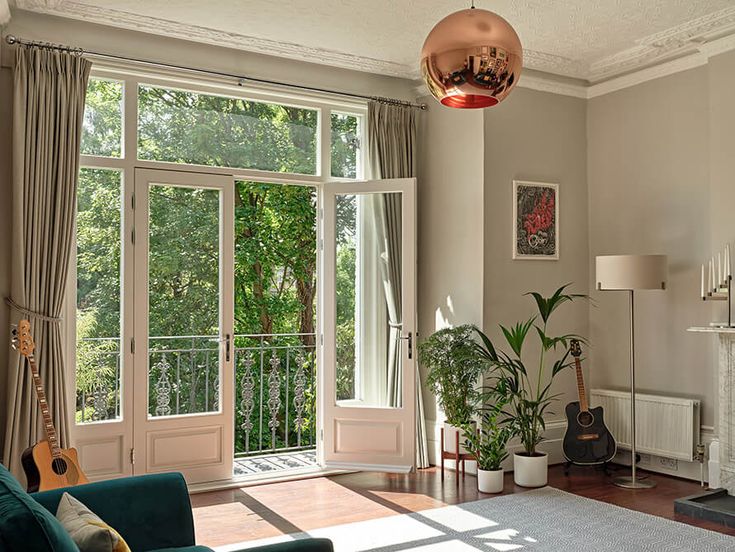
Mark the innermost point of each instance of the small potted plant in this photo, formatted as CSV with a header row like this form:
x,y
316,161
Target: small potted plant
x,y
531,394
489,444
455,366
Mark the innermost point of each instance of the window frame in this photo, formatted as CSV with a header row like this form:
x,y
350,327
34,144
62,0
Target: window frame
x,y
132,76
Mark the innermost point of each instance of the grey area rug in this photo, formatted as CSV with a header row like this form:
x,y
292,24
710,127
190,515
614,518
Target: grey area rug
x,y
540,520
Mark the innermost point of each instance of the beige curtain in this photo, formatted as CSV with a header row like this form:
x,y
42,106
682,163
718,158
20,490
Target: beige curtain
x,y
48,107
392,153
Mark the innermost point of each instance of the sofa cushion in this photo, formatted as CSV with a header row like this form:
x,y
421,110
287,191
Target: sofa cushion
x,y
86,529
25,524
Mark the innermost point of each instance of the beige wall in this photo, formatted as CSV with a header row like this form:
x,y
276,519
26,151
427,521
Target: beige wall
x,y
450,227
540,137
649,192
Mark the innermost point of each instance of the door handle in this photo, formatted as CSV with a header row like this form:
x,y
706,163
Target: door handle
x,y
409,338
228,347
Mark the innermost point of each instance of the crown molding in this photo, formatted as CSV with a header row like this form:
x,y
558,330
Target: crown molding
x,y
663,46
639,77
123,19
546,84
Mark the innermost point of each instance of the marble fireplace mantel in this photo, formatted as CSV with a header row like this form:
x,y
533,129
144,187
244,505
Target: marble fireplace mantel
x,y
726,403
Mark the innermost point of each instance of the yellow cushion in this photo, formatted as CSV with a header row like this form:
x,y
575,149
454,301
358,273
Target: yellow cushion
x,y
86,529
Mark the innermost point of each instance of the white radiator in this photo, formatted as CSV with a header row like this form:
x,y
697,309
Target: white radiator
x,y
665,426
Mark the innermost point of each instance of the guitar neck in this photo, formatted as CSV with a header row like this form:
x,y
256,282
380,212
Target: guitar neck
x,y
583,406
48,422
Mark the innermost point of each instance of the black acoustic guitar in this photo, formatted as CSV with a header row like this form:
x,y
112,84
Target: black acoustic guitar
x,y
587,441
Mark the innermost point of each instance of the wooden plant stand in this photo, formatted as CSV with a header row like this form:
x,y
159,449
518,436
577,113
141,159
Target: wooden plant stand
x,y
456,456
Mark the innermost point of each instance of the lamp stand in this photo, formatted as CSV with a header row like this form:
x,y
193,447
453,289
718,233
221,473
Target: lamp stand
x,y
632,481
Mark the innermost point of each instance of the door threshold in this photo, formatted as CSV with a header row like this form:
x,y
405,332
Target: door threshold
x,y
263,479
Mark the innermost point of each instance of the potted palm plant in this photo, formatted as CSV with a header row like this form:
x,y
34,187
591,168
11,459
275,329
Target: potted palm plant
x,y
530,388
489,444
455,366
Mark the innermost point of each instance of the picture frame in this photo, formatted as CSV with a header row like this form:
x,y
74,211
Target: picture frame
x,y
535,220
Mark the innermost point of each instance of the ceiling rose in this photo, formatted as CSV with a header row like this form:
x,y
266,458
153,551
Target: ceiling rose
x,y
471,58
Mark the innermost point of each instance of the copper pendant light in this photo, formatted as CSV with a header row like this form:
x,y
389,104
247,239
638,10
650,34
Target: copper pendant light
x,y
471,58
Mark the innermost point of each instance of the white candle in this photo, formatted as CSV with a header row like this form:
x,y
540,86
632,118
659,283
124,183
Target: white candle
x,y
711,275
702,286
719,269
728,268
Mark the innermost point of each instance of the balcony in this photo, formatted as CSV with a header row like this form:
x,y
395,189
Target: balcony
x,y
275,390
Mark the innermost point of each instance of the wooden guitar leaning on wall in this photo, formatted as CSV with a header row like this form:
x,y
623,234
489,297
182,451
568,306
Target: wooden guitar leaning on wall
x,y
587,441
46,465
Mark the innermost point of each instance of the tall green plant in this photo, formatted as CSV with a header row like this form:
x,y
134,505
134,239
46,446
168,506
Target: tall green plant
x,y
455,365
530,401
489,444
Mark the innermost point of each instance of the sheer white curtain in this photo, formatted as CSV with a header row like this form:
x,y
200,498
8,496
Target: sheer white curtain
x,y
392,147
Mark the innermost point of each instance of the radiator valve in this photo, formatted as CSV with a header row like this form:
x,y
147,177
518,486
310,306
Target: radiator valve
x,y
700,453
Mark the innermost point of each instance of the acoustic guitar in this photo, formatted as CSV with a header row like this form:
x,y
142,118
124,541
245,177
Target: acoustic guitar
x,y
47,466
587,440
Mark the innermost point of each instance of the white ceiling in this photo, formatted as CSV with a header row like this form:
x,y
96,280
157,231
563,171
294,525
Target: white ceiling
x,y
592,40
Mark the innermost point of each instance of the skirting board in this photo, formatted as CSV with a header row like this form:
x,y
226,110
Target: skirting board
x,y
554,436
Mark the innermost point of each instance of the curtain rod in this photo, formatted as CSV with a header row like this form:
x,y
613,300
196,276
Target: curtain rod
x,y
241,80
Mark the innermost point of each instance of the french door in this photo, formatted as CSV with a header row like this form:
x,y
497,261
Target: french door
x,y
183,360
367,384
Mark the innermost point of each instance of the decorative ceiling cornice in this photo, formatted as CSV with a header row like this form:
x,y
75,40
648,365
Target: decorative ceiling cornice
x,y
666,45
174,29
652,50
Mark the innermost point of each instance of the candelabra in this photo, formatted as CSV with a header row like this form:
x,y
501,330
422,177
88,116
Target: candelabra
x,y
719,285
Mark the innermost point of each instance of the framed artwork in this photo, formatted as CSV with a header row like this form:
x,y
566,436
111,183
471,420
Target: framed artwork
x,y
535,220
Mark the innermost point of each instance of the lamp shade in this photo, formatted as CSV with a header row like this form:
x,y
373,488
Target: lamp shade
x,y
626,272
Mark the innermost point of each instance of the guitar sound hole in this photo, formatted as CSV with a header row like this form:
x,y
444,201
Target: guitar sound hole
x,y
585,419
59,466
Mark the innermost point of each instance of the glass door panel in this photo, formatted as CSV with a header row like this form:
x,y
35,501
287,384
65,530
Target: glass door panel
x,y
368,376
184,361
184,245
368,288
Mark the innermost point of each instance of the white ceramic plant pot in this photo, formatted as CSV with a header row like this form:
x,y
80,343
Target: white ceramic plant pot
x,y
490,481
450,438
531,471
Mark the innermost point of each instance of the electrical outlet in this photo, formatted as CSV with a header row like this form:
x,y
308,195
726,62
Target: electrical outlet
x,y
669,463
645,459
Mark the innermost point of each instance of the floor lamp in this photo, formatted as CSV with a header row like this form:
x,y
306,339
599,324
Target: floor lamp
x,y
630,273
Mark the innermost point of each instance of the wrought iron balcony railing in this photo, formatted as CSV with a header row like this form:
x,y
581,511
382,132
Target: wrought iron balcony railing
x,y
275,385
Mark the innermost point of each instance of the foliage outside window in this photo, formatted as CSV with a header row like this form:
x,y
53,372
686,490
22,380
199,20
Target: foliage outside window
x,y
98,294
345,145
187,127
102,125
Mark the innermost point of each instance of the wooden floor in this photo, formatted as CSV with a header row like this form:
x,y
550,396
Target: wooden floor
x,y
227,517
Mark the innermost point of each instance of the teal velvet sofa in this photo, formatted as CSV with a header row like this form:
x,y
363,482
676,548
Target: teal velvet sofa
x,y
151,512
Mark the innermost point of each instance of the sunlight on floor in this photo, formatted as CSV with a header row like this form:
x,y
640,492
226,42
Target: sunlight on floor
x,y
449,529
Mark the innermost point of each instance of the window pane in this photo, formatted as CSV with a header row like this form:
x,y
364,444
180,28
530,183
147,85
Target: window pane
x,y
185,127
367,292
345,145
184,300
98,295
102,128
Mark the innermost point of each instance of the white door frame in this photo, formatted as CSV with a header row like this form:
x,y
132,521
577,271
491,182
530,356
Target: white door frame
x,y
367,437
201,446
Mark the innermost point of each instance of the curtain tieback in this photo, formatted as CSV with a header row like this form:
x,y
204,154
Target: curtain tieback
x,y
32,314
396,325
